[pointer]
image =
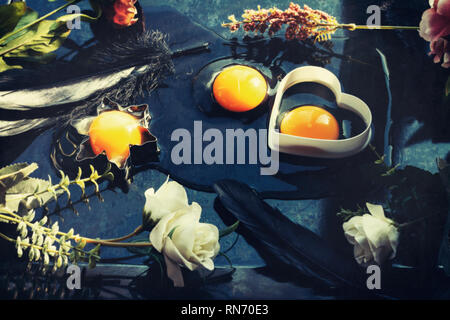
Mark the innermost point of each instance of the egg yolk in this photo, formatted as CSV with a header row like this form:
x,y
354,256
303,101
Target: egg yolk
x,y
239,88
310,122
114,132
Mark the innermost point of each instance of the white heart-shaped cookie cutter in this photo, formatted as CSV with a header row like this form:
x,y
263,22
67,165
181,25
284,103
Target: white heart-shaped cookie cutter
x,y
319,148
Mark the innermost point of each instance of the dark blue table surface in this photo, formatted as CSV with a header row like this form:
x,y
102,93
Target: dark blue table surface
x,y
412,135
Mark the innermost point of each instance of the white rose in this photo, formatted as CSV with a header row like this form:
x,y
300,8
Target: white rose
x,y
184,241
374,236
170,197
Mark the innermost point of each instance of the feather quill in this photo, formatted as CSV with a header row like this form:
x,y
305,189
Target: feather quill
x,y
284,241
65,92
121,71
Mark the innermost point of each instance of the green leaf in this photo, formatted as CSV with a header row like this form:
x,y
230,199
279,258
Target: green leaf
x,y
94,257
23,196
92,262
10,15
17,172
29,16
391,171
81,244
4,66
229,230
143,251
44,37
172,231
95,251
96,6
37,43
12,175
384,63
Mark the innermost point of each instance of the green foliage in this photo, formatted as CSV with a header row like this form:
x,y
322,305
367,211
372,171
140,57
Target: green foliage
x,y
390,171
36,44
45,243
10,15
171,232
22,194
381,161
19,193
97,7
141,251
26,38
415,200
30,194
147,252
19,29
346,214
12,175
93,256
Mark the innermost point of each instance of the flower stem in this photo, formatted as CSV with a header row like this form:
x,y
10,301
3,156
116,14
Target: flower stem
x,y
385,27
407,224
38,20
117,244
6,237
137,231
348,26
107,243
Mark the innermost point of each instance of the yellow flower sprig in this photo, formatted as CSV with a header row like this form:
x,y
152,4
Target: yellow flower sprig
x,y
43,242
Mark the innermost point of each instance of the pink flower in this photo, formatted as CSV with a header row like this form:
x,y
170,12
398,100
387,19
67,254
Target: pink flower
x,y
442,7
435,25
441,49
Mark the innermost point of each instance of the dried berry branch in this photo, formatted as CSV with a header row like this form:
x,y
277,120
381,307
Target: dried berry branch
x,y
302,23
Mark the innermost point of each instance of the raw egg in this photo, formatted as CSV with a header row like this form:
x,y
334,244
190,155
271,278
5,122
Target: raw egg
x,y
239,88
114,132
310,122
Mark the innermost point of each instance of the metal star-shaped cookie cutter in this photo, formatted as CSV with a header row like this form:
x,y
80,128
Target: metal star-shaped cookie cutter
x,y
71,149
82,127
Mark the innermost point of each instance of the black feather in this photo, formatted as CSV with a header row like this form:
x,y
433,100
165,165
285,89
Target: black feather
x,y
286,242
64,90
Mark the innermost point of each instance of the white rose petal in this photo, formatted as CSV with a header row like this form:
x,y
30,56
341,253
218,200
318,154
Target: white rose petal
x,y
374,237
178,233
376,210
172,220
174,272
170,197
192,244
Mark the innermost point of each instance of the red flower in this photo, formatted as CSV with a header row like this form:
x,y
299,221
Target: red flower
x,y
122,13
435,25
